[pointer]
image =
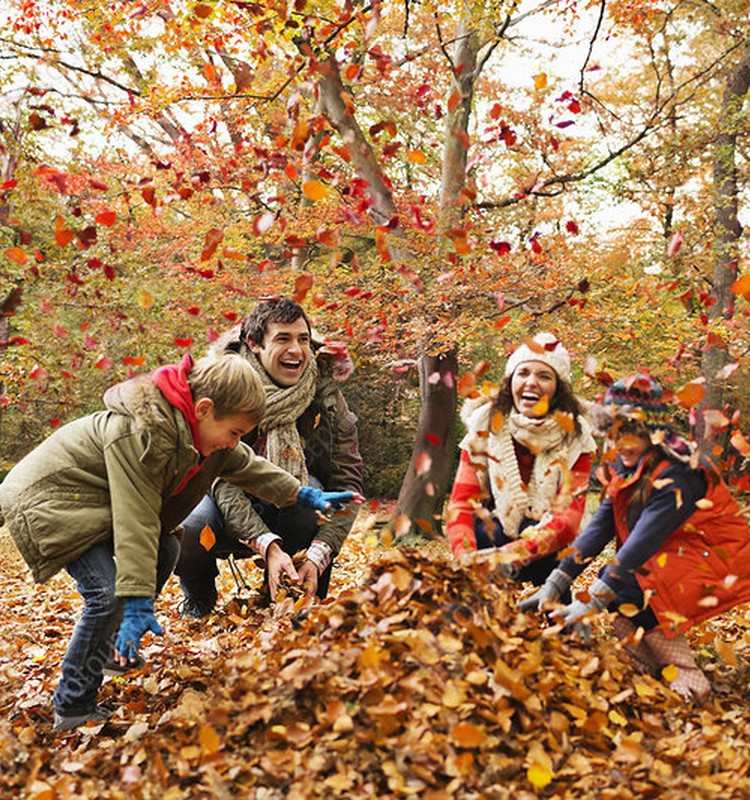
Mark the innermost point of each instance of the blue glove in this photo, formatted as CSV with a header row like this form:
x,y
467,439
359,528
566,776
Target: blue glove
x,y
137,619
323,501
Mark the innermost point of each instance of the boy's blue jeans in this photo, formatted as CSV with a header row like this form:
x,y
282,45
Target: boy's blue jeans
x,y
91,644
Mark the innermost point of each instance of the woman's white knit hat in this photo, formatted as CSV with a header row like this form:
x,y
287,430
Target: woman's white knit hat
x,y
544,347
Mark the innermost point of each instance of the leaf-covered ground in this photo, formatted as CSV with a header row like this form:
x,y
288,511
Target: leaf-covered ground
x,y
417,678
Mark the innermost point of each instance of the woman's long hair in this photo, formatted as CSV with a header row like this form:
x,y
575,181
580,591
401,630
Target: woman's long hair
x,y
562,400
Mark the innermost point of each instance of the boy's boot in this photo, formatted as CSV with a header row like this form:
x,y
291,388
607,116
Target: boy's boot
x,y
639,651
690,683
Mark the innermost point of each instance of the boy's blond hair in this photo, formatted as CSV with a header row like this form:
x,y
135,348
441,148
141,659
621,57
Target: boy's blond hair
x,y
230,383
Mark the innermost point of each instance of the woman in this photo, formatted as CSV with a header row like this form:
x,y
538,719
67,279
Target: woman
x,y
683,546
525,463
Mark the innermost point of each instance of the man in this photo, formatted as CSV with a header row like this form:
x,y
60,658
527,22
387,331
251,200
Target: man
x,y
309,431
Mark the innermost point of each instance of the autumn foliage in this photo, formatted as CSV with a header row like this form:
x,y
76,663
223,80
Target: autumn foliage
x,y
418,678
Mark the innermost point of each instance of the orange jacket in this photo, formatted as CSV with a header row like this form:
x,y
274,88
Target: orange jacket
x,y
702,568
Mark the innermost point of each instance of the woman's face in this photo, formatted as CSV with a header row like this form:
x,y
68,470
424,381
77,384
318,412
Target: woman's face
x,y
532,386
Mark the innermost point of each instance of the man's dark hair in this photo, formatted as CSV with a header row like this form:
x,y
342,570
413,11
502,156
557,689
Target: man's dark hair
x,y
277,309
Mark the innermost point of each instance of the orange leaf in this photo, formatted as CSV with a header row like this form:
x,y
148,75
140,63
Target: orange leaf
x,y
302,285
565,421
496,421
17,255
742,287
314,190
212,241
208,537
209,739
202,10
105,217
465,734
541,407
740,443
63,234
453,101
416,157
540,80
690,394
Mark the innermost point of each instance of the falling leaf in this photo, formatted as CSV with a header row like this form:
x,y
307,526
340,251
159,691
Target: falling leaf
x,y
63,234
565,420
669,673
146,300
202,10
105,217
742,287
207,537
675,243
212,240
540,81
691,393
424,463
541,407
17,255
416,157
314,190
454,101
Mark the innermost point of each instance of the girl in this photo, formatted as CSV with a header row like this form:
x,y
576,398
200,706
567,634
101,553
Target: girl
x,y
683,546
525,463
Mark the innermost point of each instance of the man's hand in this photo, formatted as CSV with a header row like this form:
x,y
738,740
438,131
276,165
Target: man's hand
x,y
311,497
308,574
279,564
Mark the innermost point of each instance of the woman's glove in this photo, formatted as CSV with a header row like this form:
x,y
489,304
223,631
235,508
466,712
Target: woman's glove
x,y
574,615
311,497
137,619
550,592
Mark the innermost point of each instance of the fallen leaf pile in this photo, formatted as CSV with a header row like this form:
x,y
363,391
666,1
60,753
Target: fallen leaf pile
x,y
418,678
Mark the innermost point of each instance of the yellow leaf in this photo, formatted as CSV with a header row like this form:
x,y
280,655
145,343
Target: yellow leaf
x,y
146,300
662,560
704,503
617,718
208,538
314,190
209,739
628,609
540,80
539,776
669,673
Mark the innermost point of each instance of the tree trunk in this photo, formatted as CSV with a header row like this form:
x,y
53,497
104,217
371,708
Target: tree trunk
x,y
727,232
427,480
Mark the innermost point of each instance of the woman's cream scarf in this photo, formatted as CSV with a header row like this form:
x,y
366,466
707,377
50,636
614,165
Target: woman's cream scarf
x,y
554,450
284,406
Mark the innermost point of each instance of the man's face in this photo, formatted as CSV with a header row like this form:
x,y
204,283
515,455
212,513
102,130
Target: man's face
x,y
285,351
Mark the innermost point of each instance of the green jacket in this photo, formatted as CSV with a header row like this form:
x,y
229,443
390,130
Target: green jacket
x,y
115,473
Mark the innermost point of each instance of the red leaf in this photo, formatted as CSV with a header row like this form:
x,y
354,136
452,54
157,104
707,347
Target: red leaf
x,y
183,342
501,248
212,241
17,255
105,217
302,285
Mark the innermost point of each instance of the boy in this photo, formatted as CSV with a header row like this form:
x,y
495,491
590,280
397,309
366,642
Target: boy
x,y
102,495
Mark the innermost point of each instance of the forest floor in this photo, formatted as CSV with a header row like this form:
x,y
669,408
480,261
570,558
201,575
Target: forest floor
x,y
416,678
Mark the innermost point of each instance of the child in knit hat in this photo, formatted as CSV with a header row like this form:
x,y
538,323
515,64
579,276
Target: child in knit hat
x,y
683,546
521,483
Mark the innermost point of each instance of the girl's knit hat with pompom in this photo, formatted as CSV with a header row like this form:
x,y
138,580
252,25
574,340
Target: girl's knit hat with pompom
x,y
544,347
634,398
